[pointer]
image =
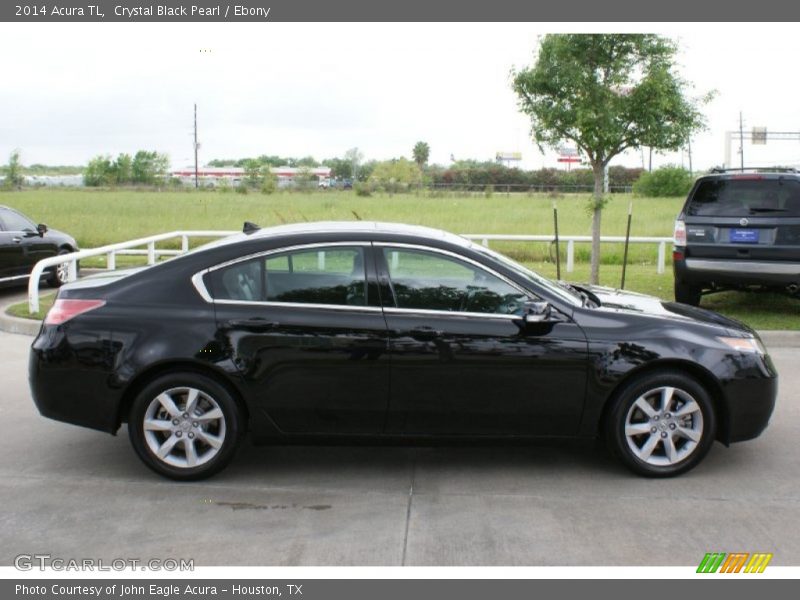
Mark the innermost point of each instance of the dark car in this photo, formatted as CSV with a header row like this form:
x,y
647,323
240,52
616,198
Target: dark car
x,y
367,330
739,230
23,244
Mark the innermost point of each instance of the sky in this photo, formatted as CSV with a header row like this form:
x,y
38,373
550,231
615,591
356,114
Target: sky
x,y
73,91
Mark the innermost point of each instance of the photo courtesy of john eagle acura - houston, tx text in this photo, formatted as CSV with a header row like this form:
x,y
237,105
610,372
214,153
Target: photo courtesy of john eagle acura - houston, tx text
x,y
373,331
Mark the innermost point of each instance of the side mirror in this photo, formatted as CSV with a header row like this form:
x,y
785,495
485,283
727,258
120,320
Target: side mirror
x,y
536,312
41,229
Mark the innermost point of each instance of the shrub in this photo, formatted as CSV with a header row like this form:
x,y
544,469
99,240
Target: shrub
x,y
363,189
669,181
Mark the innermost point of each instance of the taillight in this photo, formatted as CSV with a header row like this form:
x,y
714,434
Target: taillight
x,y
680,233
64,309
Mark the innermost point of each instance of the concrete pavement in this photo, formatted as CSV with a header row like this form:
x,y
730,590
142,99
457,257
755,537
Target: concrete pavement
x,y
75,493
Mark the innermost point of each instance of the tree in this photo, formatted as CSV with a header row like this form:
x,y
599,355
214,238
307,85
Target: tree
x,y
148,167
13,172
122,169
98,172
607,93
396,175
421,153
341,168
354,156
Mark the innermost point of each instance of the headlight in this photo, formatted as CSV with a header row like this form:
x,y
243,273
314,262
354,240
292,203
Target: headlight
x,y
743,344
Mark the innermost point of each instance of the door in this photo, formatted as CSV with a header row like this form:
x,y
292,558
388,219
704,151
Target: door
x,y
305,328
464,362
11,253
23,247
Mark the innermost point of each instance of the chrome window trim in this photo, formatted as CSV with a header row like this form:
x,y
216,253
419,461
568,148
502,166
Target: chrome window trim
x,y
269,303
200,286
285,249
15,277
450,313
460,257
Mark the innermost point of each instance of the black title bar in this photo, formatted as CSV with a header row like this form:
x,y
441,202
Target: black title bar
x,y
404,10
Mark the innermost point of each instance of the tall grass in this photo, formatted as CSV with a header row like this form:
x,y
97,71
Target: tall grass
x,y
98,217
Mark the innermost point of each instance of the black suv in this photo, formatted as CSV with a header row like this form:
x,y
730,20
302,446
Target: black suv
x,y
739,229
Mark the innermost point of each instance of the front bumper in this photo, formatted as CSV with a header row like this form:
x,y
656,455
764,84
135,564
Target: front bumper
x,y
749,393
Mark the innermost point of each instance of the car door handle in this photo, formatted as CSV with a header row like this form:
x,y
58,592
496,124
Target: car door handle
x,y
16,240
254,324
426,334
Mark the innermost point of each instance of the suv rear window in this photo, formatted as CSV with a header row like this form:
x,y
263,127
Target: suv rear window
x,y
746,198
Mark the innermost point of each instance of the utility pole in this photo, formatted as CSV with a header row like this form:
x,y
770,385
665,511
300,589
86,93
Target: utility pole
x,y
689,151
196,183
741,140
650,164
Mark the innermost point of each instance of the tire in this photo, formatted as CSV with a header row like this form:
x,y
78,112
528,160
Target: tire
x,y
195,443
60,274
647,437
687,293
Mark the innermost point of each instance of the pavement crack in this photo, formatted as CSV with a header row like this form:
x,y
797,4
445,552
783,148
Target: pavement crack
x,y
408,509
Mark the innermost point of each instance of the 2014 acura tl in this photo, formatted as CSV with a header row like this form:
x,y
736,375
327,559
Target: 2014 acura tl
x,y
371,330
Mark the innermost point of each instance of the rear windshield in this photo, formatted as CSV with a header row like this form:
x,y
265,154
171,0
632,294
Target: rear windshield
x,y
746,198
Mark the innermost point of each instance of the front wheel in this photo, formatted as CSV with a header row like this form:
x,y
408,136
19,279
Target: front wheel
x,y
60,274
662,424
185,426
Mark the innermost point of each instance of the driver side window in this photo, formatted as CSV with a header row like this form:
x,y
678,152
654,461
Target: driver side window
x,y
432,281
15,222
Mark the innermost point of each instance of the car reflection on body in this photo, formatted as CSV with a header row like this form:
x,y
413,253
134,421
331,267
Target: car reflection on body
x,y
371,330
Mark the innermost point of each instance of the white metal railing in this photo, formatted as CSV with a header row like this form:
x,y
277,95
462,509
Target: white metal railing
x,y
571,240
110,252
152,252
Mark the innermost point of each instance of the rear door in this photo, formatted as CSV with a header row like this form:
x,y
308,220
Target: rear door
x,y
744,217
305,328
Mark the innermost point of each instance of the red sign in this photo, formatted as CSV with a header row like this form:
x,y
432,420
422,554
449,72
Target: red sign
x,y
568,159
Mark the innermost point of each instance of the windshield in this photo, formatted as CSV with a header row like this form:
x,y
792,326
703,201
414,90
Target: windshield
x,y
746,198
534,278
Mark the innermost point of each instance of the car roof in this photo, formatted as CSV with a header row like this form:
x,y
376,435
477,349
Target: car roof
x,y
346,227
751,174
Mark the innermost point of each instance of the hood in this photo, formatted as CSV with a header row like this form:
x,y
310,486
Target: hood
x,y
633,302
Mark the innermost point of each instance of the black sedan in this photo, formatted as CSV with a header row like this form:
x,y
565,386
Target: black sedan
x,y
369,330
23,244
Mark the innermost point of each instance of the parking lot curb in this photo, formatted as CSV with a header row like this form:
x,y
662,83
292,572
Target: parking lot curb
x,y
780,339
11,324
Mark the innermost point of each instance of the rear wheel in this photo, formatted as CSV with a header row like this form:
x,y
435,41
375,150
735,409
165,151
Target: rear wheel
x,y
185,426
687,293
662,424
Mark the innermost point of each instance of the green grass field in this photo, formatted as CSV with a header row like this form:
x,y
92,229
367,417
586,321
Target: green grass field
x,y
99,217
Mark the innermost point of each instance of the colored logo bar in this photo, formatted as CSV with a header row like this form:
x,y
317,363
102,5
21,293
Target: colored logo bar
x,y
734,562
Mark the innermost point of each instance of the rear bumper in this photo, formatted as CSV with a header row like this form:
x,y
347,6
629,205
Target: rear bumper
x,y
737,272
70,386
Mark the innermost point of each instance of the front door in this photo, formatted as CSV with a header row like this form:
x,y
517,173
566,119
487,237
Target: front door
x,y
464,363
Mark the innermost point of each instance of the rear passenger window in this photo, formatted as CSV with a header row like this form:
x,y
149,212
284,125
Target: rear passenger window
x,y
333,275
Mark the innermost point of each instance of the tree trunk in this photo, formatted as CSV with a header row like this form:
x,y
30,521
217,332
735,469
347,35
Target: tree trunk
x,y
597,209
